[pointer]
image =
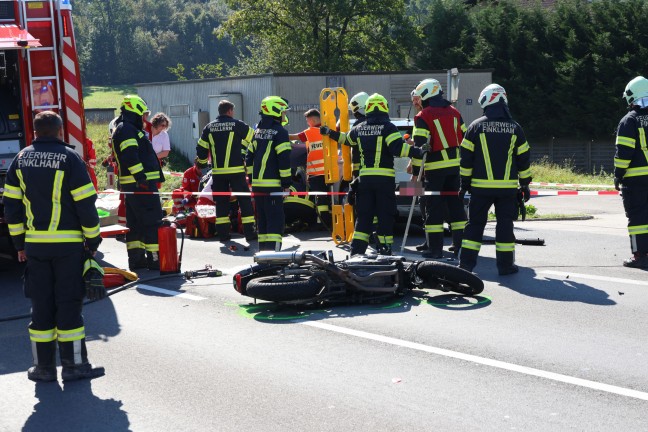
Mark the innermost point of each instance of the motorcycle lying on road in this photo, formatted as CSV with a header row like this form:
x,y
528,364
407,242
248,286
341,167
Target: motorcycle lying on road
x,y
313,277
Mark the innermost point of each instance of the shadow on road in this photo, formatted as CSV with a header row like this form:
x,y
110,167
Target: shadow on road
x,y
75,408
528,283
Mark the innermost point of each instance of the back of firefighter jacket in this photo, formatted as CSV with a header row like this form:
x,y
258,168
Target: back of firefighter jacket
x,y
227,140
443,127
494,155
631,158
50,200
135,156
268,156
378,142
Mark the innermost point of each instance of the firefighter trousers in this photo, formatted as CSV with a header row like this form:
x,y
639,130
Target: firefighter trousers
x,y
635,202
299,213
235,183
506,212
143,218
54,284
438,207
322,202
271,220
375,197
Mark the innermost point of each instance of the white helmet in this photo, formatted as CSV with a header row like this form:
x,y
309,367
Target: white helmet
x,y
636,89
358,102
112,126
492,94
427,89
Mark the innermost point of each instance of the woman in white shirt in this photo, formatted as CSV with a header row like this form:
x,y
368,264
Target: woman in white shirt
x,y
161,142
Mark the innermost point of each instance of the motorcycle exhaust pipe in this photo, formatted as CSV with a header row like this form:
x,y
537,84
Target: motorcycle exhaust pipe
x,y
280,258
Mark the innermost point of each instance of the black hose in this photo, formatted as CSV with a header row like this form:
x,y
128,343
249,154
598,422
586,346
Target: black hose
x,y
114,291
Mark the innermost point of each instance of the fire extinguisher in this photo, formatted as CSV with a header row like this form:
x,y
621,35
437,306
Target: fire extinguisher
x,y
170,260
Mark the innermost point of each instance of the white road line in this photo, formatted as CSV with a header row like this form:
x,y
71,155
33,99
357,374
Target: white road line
x,y
482,360
170,293
594,277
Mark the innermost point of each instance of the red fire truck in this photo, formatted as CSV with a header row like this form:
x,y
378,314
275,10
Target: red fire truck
x,y
39,71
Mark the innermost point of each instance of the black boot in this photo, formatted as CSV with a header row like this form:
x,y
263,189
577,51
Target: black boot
x,y
506,263
136,259
44,368
153,260
638,260
384,249
457,237
422,247
74,358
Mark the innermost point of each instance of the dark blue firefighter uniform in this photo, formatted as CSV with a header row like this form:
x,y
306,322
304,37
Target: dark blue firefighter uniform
x,y
50,208
269,157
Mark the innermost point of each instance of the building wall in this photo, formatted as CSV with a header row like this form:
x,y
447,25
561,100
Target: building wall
x,y
180,98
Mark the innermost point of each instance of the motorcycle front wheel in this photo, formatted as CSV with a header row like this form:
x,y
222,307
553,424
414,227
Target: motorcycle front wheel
x,y
283,289
449,278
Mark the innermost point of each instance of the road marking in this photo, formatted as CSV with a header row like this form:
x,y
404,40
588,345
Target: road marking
x,y
594,277
482,360
170,293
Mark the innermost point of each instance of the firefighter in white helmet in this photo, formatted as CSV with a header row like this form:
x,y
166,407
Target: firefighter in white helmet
x,y
631,169
495,159
440,124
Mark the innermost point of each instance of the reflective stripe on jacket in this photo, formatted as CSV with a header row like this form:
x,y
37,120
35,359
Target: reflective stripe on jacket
x,y
226,140
631,156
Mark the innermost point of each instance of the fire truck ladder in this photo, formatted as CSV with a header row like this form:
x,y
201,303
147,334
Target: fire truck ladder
x,y
30,19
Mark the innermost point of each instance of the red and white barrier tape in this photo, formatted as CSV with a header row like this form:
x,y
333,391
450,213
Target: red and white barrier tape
x,y
572,185
572,193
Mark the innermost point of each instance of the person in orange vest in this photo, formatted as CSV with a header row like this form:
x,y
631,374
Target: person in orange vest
x,y
315,163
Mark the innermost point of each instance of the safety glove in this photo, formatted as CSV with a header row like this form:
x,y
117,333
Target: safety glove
x,y
93,275
425,148
140,179
325,130
526,192
617,183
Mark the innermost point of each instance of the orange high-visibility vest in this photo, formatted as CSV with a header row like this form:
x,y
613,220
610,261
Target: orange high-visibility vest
x,y
315,158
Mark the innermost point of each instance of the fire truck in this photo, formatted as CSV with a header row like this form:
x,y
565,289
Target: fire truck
x,y
39,71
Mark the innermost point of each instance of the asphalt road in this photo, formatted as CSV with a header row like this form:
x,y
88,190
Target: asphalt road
x,y
559,346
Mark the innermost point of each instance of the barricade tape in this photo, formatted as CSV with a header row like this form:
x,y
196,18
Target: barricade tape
x,y
534,193
572,185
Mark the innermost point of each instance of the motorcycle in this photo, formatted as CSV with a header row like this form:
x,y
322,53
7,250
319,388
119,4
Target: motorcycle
x,y
313,277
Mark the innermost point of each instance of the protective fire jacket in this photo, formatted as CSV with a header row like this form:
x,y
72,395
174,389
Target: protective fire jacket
x,y
134,153
50,200
227,140
306,200
268,156
495,154
378,141
443,126
355,153
631,158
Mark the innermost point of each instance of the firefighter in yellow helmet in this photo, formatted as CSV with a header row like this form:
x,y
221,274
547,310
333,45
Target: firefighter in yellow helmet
x,y
268,160
378,142
139,175
631,169
495,158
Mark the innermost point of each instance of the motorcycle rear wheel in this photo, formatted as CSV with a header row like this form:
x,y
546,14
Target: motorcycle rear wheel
x,y
450,277
283,289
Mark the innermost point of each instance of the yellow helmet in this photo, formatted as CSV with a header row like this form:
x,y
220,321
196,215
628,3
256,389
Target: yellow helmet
x,y
427,89
358,102
134,104
377,102
636,89
274,106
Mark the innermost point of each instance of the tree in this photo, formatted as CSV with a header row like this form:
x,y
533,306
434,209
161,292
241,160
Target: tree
x,y
313,36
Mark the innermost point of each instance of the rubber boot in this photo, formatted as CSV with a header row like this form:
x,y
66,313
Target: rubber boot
x,y
137,259
153,260
638,260
457,236
248,231
468,259
506,263
223,232
435,246
358,247
384,249
44,368
74,358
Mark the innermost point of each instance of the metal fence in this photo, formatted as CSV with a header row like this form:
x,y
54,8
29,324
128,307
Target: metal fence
x,y
589,157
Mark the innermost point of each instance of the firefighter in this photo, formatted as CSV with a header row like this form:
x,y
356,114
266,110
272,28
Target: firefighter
x,y
494,159
378,142
299,209
631,169
315,163
139,174
440,124
226,140
357,106
50,207
268,159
